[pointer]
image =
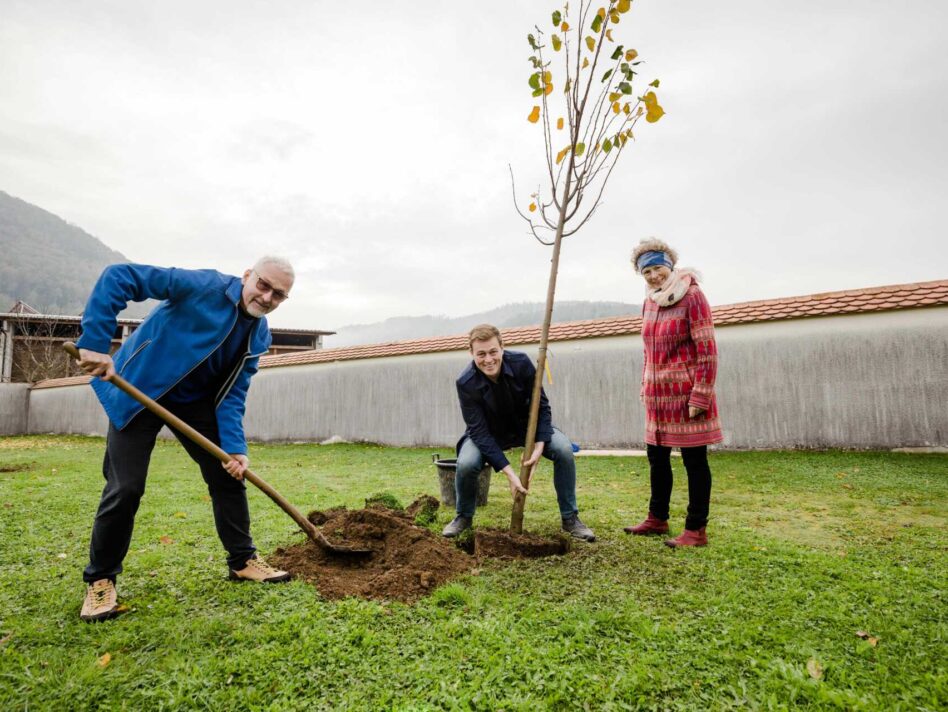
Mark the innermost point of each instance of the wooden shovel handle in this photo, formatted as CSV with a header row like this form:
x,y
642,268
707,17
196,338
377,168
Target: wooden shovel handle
x,y
175,422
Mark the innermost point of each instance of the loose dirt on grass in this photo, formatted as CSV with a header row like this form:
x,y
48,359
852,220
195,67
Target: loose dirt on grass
x,y
406,561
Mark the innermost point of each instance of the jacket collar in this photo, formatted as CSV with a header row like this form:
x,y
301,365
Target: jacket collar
x,y
234,289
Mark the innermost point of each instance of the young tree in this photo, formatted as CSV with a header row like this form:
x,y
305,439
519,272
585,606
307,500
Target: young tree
x,y
587,125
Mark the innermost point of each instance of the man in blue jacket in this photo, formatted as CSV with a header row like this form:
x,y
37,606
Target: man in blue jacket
x,y
494,392
195,354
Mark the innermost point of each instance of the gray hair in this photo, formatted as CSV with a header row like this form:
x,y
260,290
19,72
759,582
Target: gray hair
x,y
281,263
653,244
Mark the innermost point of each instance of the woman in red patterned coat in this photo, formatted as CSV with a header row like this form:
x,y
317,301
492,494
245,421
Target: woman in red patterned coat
x,y
677,388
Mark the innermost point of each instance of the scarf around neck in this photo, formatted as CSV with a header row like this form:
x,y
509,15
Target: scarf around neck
x,y
674,289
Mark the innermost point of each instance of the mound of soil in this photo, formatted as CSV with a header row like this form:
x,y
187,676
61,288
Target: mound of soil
x,y
405,561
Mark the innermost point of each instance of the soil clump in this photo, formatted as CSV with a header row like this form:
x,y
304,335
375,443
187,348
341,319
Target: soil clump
x,y
405,561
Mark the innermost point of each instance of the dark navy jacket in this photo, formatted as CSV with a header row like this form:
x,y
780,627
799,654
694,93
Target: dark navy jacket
x,y
198,312
481,414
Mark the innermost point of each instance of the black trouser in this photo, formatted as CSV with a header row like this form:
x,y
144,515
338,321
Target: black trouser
x,y
127,454
699,483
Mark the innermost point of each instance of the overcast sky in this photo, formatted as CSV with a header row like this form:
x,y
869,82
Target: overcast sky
x,y
804,147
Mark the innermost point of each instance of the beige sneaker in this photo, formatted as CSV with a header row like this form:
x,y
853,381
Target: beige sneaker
x,y
101,602
260,571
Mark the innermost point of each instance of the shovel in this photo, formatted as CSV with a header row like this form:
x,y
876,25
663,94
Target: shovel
x,y
316,536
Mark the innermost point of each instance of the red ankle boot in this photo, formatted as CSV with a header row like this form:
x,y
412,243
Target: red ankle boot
x,y
651,525
689,537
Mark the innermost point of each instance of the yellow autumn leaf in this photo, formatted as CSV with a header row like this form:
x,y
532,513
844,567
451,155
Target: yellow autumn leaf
x,y
562,154
104,660
615,107
591,43
609,35
624,5
565,27
547,77
548,88
626,109
585,62
630,55
653,111
614,17
615,96
533,207
601,12
165,539
534,115
557,43
559,124
814,668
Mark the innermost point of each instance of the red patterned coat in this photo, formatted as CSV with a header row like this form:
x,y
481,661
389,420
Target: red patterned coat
x,y
681,361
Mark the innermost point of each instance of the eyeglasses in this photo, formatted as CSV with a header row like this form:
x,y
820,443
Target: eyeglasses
x,y
264,286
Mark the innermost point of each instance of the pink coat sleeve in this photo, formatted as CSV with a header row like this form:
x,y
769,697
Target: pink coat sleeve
x,y
701,328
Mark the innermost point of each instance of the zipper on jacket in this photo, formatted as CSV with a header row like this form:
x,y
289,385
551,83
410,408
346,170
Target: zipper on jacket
x,y
134,354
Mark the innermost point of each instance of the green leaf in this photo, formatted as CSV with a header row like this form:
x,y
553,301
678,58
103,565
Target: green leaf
x,y
625,87
654,84
617,53
557,43
607,75
557,18
538,92
597,23
607,146
535,80
533,42
580,149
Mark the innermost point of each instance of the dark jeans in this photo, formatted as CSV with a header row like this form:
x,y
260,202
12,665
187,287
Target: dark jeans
x,y
559,450
699,483
127,454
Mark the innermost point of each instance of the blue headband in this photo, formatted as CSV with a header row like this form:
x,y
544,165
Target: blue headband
x,y
652,258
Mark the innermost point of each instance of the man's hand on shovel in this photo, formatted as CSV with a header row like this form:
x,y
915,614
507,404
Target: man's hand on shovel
x,y
96,364
237,466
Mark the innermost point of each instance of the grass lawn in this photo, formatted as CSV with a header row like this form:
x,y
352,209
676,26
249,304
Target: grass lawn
x,y
807,549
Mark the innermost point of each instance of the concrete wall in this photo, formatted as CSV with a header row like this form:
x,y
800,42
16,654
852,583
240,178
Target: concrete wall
x,y
14,408
862,381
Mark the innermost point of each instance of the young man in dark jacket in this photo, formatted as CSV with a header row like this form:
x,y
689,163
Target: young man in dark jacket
x,y
494,393
195,354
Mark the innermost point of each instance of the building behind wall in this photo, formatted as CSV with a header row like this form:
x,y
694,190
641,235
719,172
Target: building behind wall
x,y
31,344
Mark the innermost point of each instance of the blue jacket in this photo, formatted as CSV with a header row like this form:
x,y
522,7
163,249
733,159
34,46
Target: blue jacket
x,y
481,411
197,314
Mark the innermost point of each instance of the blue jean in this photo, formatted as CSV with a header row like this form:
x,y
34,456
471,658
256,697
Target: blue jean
x,y
559,450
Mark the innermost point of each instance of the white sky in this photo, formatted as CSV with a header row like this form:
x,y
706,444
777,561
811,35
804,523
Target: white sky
x,y
804,147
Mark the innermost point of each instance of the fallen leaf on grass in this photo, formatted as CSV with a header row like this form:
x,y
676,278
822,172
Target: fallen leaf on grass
x,y
122,608
104,660
181,515
61,556
166,539
846,485
871,639
4,639
814,668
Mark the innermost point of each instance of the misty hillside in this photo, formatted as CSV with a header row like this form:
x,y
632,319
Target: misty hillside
x,y
509,315
48,263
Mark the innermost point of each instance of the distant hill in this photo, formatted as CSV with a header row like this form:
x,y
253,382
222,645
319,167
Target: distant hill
x,y
48,263
509,315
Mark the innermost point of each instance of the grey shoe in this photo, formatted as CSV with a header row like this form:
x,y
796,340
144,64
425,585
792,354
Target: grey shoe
x,y
459,524
577,529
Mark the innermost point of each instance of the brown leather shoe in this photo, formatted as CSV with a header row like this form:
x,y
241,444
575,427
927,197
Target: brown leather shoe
x,y
101,602
650,525
260,571
689,537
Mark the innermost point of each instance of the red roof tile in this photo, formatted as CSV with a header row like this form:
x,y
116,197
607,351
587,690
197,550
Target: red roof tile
x,y
898,296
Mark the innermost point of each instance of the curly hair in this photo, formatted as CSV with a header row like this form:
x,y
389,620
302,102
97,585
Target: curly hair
x,y
652,244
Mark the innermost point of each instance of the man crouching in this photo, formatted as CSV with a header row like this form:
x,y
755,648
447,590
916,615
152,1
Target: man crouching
x,y
494,393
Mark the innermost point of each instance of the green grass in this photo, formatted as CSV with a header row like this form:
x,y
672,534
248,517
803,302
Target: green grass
x,y
806,550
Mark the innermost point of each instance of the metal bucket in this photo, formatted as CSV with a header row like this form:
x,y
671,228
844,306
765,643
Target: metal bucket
x,y
446,471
